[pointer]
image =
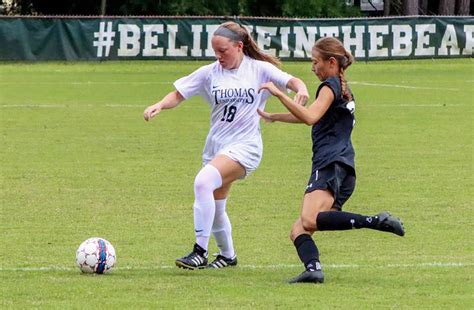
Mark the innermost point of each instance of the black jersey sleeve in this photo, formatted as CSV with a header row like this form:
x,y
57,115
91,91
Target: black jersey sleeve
x,y
334,84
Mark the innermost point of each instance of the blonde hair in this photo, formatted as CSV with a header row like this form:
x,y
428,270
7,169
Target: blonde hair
x,y
331,47
250,48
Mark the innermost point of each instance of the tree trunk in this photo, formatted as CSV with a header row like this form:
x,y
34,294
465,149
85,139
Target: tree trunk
x,y
462,7
423,7
386,8
410,7
103,6
446,7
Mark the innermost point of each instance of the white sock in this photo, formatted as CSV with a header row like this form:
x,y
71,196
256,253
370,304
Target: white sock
x,y
207,180
222,230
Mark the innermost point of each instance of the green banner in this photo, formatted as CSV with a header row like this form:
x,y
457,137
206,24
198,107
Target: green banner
x,y
53,38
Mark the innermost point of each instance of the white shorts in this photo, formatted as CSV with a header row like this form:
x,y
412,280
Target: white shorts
x,y
247,153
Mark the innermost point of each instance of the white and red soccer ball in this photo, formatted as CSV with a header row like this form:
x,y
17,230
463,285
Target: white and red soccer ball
x,y
95,255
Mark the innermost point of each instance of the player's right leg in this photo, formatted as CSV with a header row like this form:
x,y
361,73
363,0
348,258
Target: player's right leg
x,y
342,220
389,223
221,171
207,180
197,259
235,161
231,170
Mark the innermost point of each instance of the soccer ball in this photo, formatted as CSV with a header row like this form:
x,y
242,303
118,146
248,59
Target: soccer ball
x,y
95,255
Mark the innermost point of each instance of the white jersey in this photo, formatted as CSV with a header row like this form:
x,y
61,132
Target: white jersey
x,y
234,99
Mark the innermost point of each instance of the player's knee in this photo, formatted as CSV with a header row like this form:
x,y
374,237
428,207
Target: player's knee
x,y
296,230
201,186
207,180
308,223
292,234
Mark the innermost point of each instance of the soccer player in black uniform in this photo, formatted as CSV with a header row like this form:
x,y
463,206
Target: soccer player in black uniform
x,y
332,178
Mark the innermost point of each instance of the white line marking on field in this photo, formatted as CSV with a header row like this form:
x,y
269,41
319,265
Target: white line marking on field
x,y
415,105
136,106
88,83
53,106
278,266
62,106
401,86
123,106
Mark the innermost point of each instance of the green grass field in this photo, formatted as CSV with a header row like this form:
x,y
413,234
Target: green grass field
x,y
77,160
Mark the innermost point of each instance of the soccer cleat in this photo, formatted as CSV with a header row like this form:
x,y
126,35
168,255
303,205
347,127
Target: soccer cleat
x,y
222,262
390,223
193,260
313,276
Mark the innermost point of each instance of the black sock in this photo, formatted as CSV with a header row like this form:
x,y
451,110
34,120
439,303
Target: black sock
x,y
307,251
339,220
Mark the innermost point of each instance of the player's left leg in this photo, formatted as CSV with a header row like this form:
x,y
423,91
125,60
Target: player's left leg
x,y
314,202
222,231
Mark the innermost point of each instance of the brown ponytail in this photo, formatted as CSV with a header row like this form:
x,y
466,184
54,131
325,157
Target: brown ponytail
x,y
331,47
251,48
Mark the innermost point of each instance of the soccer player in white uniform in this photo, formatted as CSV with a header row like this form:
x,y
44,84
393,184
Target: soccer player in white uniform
x,y
233,146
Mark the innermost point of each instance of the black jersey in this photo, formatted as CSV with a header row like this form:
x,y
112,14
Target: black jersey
x,y
332,133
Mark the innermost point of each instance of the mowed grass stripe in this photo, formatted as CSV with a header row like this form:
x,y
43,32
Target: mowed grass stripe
x,y
90,166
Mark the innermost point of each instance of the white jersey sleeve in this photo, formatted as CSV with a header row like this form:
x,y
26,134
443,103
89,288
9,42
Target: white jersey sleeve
x,y
274,74
195,83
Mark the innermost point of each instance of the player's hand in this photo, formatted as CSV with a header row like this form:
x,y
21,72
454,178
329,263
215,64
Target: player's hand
x,y
301,97
151,111
266,116
270,87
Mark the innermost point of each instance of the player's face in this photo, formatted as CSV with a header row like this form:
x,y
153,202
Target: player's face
x,y
228,53
323,68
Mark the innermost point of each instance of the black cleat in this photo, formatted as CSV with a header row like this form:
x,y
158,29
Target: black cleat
x,y
313,276
222,262
194,260
390,223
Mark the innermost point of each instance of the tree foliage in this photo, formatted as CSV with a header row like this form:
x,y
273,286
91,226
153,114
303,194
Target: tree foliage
x,y
286,8
292,8
277,8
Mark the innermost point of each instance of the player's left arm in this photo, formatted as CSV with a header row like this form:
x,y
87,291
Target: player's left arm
x,y
310,115
299,87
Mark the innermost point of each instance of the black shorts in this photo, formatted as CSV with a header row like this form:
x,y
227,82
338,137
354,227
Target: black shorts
x,y
335,177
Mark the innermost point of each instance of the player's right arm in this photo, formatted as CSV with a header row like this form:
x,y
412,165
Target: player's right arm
x,y
278,117
168,102
191,85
